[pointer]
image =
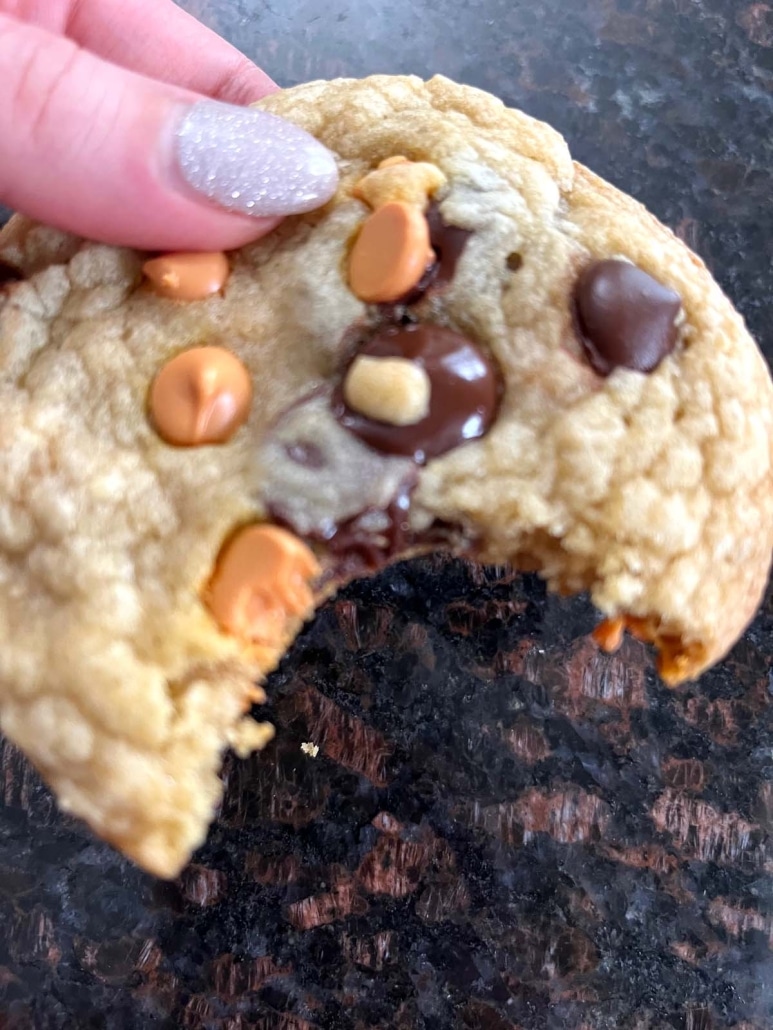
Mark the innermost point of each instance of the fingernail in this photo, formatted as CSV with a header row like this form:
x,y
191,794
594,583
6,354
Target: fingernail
x,y
252,162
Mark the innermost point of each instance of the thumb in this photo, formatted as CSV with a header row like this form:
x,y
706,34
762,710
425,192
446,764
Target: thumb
x,y
108,154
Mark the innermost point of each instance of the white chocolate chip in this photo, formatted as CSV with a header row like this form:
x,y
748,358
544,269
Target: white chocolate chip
x,y
411,182
392,390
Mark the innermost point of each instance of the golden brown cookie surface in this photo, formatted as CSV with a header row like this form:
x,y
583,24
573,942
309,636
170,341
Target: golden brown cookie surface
x,y
652,489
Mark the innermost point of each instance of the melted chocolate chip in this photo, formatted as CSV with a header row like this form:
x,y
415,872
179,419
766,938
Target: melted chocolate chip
x,y
376,538
626,318
307,454
9,274
463,402
373,538
448,243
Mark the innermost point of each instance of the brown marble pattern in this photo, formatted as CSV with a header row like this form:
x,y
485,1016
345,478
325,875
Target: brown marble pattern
x,y
501,828
527,834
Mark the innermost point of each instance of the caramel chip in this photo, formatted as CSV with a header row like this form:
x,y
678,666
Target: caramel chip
x,y
391,254
191,276
201,396
260,582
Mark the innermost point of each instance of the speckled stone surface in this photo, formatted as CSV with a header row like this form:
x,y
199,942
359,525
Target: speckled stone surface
x,y
502,829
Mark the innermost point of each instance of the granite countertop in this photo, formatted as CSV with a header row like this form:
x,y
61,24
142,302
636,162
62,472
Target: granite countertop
x,y
502,829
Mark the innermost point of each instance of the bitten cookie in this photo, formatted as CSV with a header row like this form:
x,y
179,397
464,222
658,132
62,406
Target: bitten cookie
x,y
476,345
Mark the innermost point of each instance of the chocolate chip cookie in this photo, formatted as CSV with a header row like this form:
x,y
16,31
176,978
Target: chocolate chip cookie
x,y
476,345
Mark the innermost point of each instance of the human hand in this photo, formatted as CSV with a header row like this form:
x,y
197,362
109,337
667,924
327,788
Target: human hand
x,y
116,124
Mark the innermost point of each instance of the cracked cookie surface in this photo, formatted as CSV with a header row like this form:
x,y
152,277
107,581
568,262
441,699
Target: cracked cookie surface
x,y
651,490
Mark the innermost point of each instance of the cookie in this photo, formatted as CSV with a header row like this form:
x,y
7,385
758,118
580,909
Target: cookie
x,y
476,345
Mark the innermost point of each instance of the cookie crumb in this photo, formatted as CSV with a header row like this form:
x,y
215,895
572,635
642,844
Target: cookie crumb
x,y
248,736
312,750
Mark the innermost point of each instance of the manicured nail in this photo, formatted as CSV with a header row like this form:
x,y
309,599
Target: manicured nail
x,y
252,162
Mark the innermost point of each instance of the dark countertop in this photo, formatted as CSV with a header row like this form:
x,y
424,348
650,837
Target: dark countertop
x,y
503,829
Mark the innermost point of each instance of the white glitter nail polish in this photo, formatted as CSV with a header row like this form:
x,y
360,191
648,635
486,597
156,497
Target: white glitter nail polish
x,y
253,162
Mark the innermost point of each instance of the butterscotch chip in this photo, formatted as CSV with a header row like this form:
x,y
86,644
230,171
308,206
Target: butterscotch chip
x,y
609,634
392,390
202,396
649,488
640,629
262,582
391,254
187,276
676,661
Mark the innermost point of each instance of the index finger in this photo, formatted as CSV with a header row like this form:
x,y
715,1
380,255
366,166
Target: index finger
x,y
153,37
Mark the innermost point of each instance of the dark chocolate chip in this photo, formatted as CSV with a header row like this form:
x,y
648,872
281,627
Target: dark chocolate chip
x,y
464,399
626,318
307,454
8,273
514,261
